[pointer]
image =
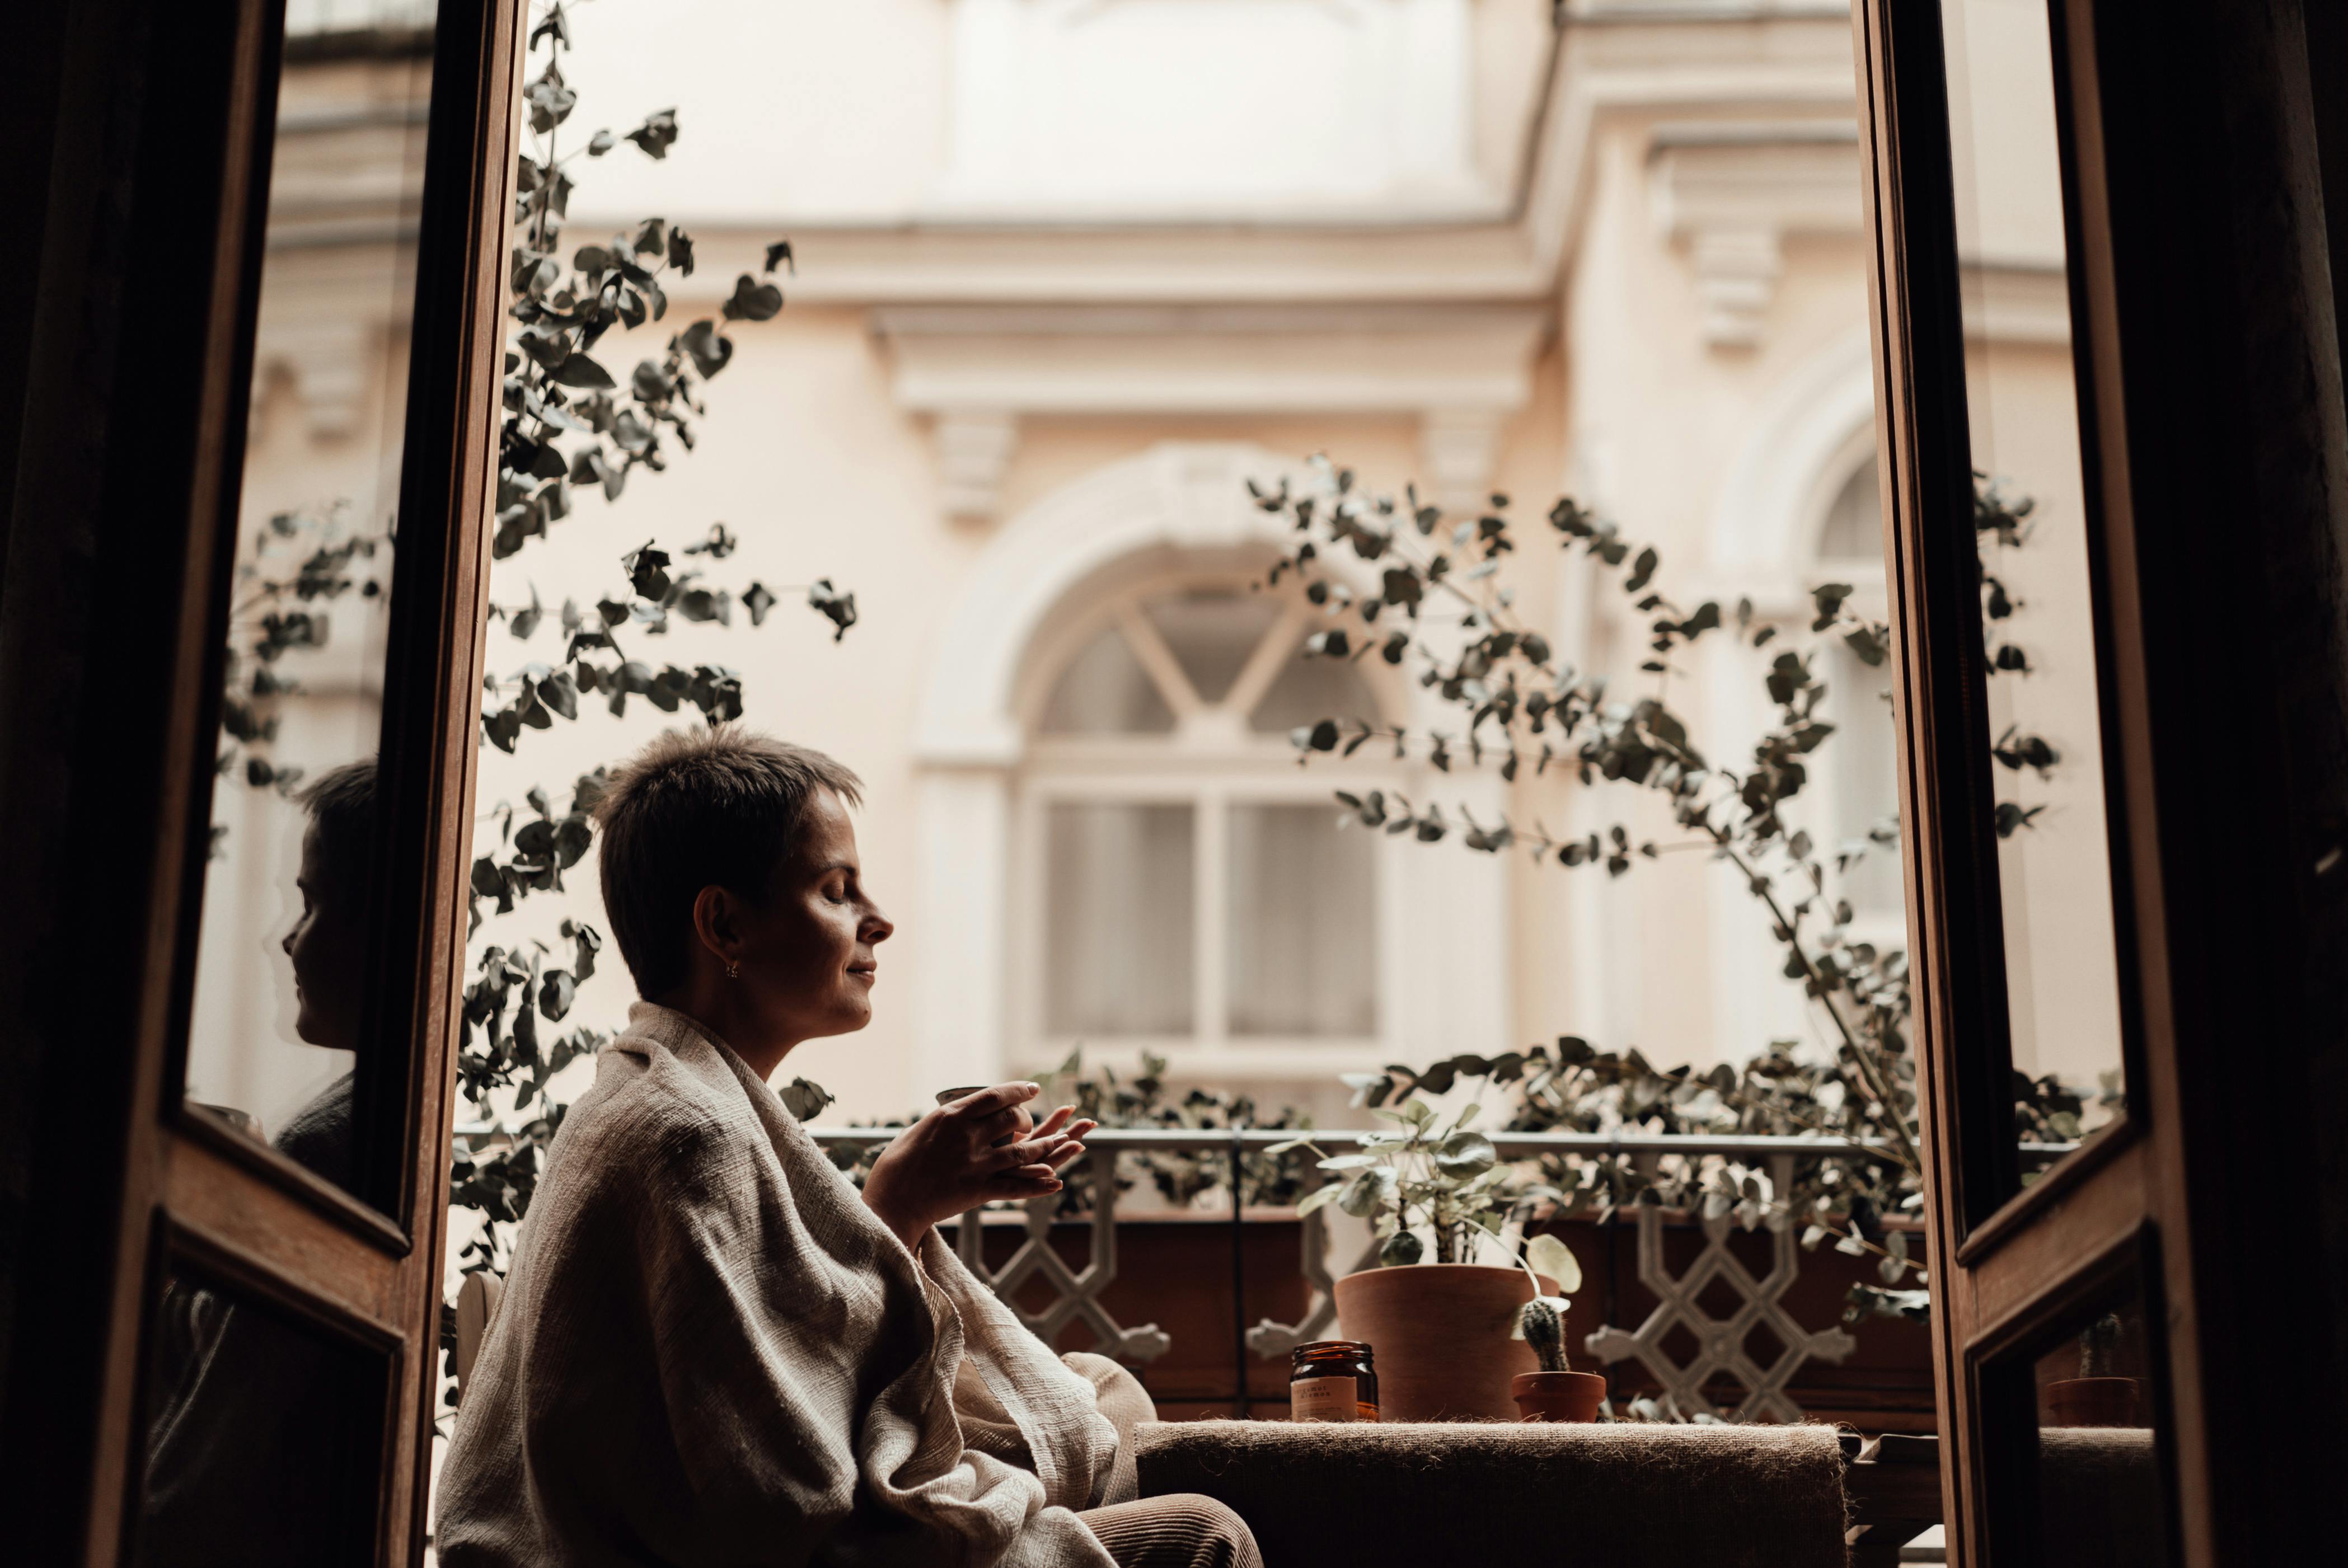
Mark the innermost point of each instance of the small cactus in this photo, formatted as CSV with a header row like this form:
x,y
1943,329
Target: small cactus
x,y
2096,1344
1542,1323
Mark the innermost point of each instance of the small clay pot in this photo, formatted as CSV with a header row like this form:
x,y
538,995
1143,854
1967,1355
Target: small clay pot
x,y
1557,1396
2093,1402
1441,1334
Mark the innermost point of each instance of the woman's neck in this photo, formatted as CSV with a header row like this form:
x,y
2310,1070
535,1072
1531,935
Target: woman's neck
x,y
722,1010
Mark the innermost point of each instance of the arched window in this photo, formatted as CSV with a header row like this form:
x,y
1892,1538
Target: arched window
x,y
1188,885
1862,778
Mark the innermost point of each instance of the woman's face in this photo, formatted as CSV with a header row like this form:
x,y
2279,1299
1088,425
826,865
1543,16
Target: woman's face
x,y
807,952
326,943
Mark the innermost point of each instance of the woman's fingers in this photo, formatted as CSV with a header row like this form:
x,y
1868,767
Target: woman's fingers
x,y
1054,1121
996,1098
1026,1182
1028,1152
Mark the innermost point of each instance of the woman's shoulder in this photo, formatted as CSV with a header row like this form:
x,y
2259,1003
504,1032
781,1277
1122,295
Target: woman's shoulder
x,y
649,1118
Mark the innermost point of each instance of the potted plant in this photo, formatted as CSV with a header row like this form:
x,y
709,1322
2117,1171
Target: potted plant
x,y
2095,1397
1446,1333
1557,1393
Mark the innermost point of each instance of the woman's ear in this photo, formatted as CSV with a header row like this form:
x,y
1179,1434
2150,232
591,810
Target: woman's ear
x,y
714,925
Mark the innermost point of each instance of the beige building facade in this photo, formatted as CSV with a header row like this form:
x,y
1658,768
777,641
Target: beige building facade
x,y
1070,274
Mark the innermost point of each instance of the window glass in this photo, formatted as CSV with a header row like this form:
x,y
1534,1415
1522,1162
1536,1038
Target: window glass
x,y
2032,530
1212,634
1302,938
1118,891
1309,690
264,1435
278,1008
1105,691
2087,1490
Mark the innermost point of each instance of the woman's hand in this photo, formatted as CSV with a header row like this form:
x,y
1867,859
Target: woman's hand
x,y
948,1162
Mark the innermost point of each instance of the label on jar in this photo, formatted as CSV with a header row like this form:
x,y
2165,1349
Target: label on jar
x,y
1323,1399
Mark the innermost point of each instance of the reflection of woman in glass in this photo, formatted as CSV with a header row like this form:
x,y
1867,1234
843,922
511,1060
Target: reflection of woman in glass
x,y
245,1461
712,1348
327,944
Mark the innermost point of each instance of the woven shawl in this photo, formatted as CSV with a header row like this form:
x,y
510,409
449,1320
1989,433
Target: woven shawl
x,y
710,1352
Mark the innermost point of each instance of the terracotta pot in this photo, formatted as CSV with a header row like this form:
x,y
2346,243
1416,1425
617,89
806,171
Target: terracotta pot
x,y
2093,1402
1557,1396
1439,1335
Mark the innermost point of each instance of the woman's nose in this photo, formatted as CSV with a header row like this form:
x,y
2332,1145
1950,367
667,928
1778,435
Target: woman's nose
x,y
878,927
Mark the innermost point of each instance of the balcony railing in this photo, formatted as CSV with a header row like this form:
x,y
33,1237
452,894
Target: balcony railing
x,y
1074,1292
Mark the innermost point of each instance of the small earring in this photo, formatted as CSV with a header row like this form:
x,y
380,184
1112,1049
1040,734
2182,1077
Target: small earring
x,y
732,971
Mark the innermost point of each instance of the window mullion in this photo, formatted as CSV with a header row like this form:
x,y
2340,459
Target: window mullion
x,y
1159,662
1264,665
1209,946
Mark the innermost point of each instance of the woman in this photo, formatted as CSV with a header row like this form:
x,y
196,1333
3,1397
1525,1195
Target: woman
x,y
712,1349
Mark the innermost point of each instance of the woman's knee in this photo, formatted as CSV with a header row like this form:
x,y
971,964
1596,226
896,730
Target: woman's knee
x,y
1225,1539
1181,1529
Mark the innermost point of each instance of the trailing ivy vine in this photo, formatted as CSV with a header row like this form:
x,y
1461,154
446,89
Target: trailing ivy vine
x,y
572,424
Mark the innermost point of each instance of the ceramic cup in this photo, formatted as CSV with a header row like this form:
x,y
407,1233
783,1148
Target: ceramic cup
x,y
1026,1122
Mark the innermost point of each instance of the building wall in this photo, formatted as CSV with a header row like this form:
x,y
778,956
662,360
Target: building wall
x,y
1639,278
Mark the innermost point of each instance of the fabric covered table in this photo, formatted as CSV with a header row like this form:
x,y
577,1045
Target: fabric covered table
x,y
1415,1496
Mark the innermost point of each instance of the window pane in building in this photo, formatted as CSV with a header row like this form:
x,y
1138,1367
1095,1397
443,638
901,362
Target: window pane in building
x,y
1105,691
1303,929
1866,780
1119,892
1309,690
1211,633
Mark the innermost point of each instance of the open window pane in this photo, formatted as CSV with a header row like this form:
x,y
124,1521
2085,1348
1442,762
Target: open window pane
x,y
2083,1487
2030,525
263,1435
1211,633
1105,691
1119,896
283,948
1303,935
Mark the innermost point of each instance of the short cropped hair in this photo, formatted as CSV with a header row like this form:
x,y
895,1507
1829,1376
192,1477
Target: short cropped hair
x,y
720,806
342,806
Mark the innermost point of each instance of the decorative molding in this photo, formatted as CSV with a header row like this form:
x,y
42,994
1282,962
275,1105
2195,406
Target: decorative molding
x,y
1733,191
1737,273
1784,469
982,369
974,449
1788,57
1179,495
1458,449
1023,361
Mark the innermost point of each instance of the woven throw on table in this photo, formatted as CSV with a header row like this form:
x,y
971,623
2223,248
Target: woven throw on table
x,y
1410,1496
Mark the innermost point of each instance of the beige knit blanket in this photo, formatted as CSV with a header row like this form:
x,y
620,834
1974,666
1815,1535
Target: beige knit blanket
x,y
710,1352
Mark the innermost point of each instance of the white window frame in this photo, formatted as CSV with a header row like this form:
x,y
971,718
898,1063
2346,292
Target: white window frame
x,y
1211,762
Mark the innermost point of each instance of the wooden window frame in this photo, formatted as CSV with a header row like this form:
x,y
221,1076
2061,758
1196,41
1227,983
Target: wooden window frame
x,y
153,332
2189,159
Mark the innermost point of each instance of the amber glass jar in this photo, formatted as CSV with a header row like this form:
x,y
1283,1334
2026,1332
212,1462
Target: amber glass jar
x,y
1333,1380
